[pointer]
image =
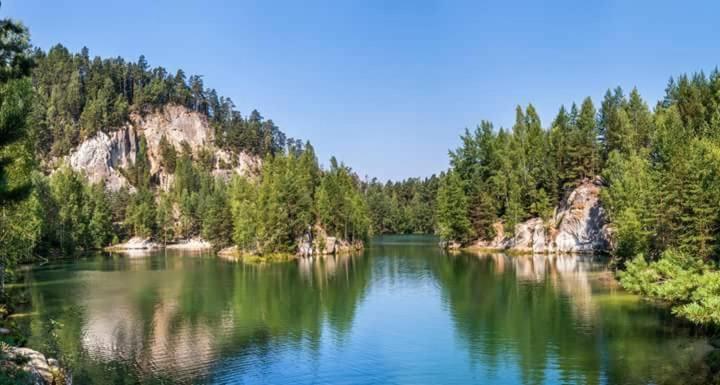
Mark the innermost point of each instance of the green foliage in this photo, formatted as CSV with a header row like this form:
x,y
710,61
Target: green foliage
x,y
78,215
98,210
168,155
216,218
452,208
404,207
293,195
243,200
691,286
77,96
342,211
165,219
20,207
628,200
141,215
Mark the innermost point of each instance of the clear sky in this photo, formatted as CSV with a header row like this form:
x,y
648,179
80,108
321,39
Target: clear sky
x,y
387,86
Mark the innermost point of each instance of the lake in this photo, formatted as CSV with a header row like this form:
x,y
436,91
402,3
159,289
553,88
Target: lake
x,y
403,312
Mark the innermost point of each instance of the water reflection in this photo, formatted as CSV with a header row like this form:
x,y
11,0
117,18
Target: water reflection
x,y
563,319
177,316
404,312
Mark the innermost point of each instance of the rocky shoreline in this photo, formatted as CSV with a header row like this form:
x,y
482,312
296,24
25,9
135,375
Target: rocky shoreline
x,y
578,226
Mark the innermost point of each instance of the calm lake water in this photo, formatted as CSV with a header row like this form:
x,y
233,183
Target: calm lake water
x,y
402,313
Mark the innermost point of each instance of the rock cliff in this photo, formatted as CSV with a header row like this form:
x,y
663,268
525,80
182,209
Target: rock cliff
x,y
578,226
102,156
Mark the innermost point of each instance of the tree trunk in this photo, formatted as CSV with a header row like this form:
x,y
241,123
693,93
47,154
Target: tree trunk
x,y
2,278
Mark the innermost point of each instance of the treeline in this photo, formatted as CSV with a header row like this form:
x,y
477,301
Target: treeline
x,y
267,214
76,96
660,167
50,102
404,207
512,175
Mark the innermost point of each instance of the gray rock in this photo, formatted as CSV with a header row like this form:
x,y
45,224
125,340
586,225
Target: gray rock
x,y
102,156
41,372
578,226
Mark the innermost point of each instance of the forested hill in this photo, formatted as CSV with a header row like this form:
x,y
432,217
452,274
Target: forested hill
x,y
114,149
78,95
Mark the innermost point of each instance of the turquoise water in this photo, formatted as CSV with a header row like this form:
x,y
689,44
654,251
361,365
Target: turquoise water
x,y
402,313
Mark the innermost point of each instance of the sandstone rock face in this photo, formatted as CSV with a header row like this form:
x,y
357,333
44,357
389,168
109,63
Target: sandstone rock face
x,y
178,125
580,221
102,156
577,227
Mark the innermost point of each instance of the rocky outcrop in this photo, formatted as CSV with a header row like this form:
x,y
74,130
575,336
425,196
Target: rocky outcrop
x,y
102,156
191,244
322,244
41,370
135,243
581,225
578,226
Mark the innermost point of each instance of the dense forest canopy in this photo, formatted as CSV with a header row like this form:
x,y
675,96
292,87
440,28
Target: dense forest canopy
x,y
660,169
78,95
403,207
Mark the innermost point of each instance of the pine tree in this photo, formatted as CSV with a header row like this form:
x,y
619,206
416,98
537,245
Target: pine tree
x,y
243,201
168,155
483,215
452,221
100,226
165,219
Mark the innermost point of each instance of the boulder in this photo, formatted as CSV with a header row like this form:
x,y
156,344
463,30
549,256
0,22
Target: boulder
x,y
42,371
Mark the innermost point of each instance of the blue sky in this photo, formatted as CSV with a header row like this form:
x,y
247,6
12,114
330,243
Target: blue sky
x,y
387,86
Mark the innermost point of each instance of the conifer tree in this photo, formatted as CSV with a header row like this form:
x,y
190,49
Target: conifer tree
x,y
452,208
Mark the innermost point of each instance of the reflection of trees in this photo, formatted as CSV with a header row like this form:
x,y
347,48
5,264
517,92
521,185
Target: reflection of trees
x,y
547,319
555,319
177,315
